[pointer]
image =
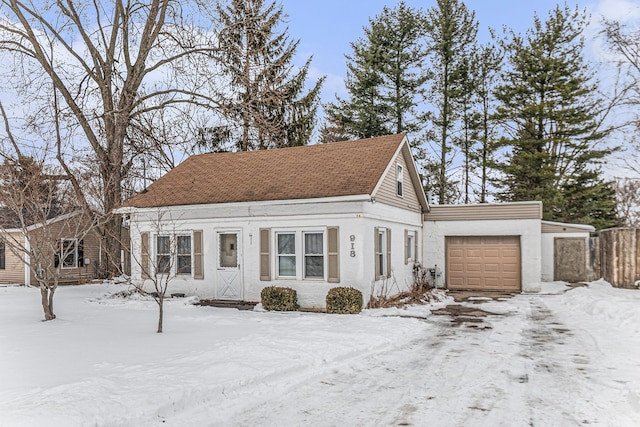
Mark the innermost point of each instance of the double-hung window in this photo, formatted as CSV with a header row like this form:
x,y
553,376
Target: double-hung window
x,y
300,254
313,255
69,253
381,253
183,251
173,254
163,254
382,261
286,254
410,247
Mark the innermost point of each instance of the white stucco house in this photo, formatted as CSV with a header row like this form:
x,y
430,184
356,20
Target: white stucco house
x,y
310,218
354,213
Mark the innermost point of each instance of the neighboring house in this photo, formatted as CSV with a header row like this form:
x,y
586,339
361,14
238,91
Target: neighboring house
x,y
79,264
310,218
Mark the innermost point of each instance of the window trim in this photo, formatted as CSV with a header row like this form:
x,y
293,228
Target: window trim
x,y
278,255
299,253
74,253
164,254
323,255
173,254
190,255
399,180
411,246
382,252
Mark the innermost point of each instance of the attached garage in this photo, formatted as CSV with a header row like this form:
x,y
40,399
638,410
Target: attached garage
x,y
491,246
483,263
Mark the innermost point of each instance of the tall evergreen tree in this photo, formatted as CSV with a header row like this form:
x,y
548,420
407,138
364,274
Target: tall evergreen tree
x,y
451,34
548,99
385,77
269,106
466,97
489,61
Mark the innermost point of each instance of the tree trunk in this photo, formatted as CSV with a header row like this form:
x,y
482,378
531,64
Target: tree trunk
x,y
160,312
47,301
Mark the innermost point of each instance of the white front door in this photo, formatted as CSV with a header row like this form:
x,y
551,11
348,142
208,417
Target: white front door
x,y
229,275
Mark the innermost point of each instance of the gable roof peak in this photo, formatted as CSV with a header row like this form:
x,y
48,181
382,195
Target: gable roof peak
x,y
335,169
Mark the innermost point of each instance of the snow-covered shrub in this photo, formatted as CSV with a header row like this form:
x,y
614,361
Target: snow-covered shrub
x,y
343,300
275,298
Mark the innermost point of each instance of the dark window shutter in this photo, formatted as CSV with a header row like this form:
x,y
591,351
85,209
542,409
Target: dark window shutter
x,y
2,256
198,268
80,253
333,254
144,255
265,256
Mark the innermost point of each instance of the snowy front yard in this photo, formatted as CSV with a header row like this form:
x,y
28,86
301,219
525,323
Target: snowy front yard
x,y
544,360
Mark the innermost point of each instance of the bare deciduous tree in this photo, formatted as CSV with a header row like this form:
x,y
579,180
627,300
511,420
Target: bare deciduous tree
x,y
40,224
159,256
103,69
625,43
628,198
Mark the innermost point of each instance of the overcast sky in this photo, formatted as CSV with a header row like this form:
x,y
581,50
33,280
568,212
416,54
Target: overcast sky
x,y
325,28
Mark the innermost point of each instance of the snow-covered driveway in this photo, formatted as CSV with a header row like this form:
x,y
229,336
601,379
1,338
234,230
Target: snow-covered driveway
x,y
542,360
526,367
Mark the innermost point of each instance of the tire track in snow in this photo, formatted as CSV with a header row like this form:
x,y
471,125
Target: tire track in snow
x,y
521,369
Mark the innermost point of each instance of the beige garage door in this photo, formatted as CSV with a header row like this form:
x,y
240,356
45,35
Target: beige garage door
x,y
483,262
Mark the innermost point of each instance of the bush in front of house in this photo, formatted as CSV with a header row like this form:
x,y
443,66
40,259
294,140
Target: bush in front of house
x,y
343,300
275,298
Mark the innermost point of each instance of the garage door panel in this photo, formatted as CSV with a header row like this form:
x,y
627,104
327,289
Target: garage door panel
x,y
510,268
483,262
457,252
473,268
491,268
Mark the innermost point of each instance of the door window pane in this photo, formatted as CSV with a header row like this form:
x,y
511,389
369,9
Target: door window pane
x,y
228,250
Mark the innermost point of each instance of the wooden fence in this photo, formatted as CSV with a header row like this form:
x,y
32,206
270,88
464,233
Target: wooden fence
x,y
615,256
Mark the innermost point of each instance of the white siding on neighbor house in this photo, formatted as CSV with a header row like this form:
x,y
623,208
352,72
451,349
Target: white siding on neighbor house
x,y
548,251
528,230
356,221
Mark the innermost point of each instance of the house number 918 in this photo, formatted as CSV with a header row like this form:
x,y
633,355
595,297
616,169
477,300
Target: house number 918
x,y
352,238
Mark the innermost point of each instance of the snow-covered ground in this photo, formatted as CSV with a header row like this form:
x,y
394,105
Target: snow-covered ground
x,y
551,359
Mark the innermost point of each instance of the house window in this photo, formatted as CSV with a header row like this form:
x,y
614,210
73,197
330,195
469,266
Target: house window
x,y
399,179
184,254
2,256
69,253
410,245
313,256
301,254
163,254
381,258
286,253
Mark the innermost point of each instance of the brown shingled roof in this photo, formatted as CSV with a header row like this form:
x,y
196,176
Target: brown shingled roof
x,y
327,170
